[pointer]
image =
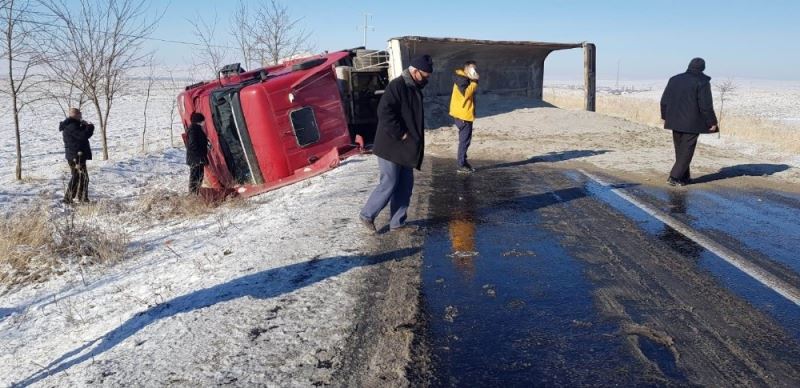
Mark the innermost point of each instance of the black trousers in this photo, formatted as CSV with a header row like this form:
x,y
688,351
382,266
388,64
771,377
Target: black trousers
x,y
195,178
464,140
78,186
685,144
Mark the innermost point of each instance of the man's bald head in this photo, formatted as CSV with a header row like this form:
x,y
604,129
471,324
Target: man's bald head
x,y
75,113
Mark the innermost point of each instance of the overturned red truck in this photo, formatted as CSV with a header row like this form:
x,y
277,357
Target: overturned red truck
x,y
274,126
277,125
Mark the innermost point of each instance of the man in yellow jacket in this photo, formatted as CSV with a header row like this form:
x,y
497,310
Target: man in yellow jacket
x,y
462,108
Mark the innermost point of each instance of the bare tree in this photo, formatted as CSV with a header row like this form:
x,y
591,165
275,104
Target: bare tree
x,y
174,86
241,23
151,78
65,96
277,35
725,89
95,47
212,55
21,58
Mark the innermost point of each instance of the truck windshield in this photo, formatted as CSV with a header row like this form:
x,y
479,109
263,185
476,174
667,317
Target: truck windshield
x,y
234,138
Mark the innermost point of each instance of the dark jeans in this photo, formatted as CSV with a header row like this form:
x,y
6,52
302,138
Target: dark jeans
x,y
195,178
464,140
78,186
685,144
395,186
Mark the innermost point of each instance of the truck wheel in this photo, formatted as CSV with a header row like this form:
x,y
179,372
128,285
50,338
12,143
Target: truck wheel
x,y
308,64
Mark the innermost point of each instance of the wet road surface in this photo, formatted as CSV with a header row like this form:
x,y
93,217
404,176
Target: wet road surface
x,y
541,276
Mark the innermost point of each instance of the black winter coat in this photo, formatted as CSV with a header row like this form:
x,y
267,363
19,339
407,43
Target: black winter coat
x,y
196,146
400,113
76,135
687,105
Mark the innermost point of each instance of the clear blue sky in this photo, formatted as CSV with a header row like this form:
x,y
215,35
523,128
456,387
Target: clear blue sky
x,y
651,39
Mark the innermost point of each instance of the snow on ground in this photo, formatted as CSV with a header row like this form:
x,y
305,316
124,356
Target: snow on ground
x,y
261,295
760,117
520,129
764,99
129,169
253,292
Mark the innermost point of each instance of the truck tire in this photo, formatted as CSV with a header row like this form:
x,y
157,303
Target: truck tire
x,y
308,64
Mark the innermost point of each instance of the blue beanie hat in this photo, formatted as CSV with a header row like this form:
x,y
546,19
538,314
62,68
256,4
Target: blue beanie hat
x,y
423,62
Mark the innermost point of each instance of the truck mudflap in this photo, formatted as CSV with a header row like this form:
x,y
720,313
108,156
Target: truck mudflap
x,y
327,162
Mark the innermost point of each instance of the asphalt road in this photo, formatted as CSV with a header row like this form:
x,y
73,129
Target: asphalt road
x,y
534,275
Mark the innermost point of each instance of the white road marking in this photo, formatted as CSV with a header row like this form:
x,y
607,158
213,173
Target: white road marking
x,y
783,288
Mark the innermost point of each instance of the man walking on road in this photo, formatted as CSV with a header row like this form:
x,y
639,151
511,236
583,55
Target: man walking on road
x,y
76,134
687,109
399,144
462,109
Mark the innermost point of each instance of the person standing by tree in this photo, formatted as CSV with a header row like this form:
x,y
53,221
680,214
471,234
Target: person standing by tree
x,y
76,133
687,109
196,151
399,144
462,109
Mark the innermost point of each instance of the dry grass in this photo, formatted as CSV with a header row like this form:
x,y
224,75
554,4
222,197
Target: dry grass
x,y
165,204
772,134
38,241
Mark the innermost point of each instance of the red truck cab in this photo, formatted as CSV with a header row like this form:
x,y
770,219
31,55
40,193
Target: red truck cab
x,y
272,126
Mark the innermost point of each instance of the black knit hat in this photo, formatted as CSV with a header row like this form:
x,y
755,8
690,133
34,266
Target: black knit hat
x,y
697,64
423,62
197,118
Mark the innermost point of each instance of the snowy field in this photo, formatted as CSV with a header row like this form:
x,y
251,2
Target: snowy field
x,y
763,99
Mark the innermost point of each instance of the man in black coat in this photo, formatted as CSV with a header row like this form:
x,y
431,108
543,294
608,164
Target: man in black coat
x,y
196,151
399,144
687,109
76,134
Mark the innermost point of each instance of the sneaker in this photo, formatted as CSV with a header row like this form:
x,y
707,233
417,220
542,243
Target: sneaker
x,y
406,228
465,169
369,224
674,182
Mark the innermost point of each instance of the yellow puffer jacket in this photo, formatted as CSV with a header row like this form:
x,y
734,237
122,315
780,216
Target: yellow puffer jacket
x,y
462,102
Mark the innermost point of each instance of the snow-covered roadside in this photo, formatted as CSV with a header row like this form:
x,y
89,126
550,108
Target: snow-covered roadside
x,y
249,295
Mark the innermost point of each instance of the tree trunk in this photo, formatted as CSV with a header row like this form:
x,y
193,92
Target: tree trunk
x,y
105,127
144,129
17,135
15,109
171,121
101,119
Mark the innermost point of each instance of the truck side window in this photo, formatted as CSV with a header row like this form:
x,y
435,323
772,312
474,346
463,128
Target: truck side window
x,y
305,126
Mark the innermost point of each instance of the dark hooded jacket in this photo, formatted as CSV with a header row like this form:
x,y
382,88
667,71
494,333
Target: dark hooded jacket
x,y
400,113
76,135
687,105
196,146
